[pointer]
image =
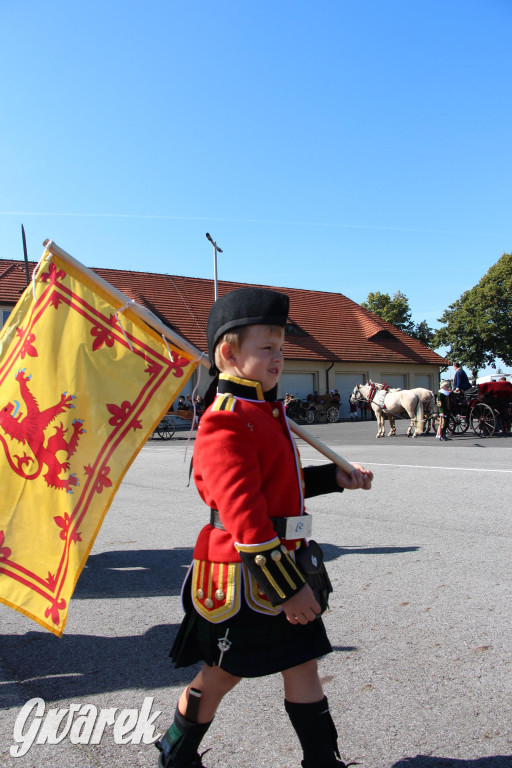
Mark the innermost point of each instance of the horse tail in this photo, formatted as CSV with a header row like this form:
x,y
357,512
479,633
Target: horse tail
x,y
420,418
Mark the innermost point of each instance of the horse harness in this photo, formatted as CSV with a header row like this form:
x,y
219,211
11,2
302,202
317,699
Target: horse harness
x,y
373,391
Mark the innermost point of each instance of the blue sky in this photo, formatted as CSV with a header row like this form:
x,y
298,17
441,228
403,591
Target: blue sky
x,y
340,146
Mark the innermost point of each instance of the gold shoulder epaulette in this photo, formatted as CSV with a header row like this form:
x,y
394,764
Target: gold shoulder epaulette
x,y
224,403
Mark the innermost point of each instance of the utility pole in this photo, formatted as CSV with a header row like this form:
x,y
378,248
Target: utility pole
x,y
215,249
25,254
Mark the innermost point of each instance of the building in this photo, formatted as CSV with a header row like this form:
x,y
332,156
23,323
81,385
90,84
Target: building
x,y
330,343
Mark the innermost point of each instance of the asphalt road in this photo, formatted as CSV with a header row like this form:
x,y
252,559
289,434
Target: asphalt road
x,y
420,618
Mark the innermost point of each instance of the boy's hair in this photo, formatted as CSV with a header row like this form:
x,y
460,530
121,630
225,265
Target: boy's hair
x,y
236,337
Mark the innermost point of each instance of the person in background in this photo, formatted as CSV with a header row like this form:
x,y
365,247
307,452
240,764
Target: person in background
x,y
460,380
335,397
444,408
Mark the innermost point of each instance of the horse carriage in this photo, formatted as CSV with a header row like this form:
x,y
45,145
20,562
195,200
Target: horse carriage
x,y
486,408
302,411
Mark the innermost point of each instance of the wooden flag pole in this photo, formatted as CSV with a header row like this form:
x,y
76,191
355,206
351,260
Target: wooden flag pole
x,y
120,298
148,317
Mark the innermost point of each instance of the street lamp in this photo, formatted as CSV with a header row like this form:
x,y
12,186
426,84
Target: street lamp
x,y
215,249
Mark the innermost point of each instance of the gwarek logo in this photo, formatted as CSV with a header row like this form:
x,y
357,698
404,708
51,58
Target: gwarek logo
x,y
81,724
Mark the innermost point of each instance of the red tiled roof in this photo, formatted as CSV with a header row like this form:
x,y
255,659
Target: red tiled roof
x,y
330,326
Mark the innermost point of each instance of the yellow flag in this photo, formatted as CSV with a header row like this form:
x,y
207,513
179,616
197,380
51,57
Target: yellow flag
x,y
82,385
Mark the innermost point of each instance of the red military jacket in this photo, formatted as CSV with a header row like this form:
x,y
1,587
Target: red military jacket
x,y
247,467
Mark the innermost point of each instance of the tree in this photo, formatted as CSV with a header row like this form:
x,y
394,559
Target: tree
x,y
424,333
477,328
461,336
395,310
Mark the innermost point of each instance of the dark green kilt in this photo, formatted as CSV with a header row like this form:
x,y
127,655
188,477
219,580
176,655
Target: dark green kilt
x,y
258,644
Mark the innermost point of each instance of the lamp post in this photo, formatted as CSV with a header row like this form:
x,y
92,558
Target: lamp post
x,y
25,254
215,249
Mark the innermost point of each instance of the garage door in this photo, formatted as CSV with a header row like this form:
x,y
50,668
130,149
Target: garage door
x,y
423,380
297,384
394,380
345,383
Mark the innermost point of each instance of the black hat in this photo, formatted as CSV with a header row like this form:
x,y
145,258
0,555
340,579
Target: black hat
x,y
245,306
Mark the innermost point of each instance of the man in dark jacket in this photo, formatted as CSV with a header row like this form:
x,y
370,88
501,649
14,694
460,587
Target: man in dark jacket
x,y
460,380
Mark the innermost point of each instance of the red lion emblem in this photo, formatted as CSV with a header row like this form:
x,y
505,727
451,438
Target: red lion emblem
x,y
30,430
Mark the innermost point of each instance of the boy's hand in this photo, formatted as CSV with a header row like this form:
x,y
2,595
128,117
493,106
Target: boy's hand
x,y
359,478
302,607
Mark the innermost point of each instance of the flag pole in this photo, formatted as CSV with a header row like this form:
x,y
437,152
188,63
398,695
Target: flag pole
x,y
153,321
123,301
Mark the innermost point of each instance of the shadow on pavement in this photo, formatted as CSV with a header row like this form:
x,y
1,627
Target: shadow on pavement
x,y
76,666
332,551
134,573
427,761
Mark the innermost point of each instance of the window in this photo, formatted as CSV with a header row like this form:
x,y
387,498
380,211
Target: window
x,y
5,315
292,329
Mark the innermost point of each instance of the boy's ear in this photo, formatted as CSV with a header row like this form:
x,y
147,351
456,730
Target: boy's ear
x,y
227,353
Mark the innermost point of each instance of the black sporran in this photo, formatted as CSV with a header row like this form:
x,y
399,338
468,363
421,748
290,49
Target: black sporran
x,y
310,561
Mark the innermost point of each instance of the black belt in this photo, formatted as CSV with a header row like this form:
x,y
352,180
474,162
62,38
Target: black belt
x,y
279,523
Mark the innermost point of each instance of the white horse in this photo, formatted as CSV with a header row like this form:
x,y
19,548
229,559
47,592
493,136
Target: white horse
x,y
390,402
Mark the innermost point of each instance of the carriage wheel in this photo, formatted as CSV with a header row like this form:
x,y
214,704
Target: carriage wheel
x,y
310,416
483,420
457,424
434,422
167,429
333,414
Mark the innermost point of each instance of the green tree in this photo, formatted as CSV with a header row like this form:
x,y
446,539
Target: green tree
x,y
460,334
396,310
477,327
424,333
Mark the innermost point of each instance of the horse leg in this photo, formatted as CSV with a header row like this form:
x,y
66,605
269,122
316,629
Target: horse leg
x,y
380,422
392,426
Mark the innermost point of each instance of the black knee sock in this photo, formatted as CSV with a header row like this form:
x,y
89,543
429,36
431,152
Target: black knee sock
x,y
181,742
317,733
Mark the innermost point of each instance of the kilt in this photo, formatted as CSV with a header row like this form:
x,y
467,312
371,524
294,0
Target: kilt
x,y
257,644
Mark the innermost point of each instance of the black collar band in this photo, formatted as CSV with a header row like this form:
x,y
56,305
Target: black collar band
x,y
245,388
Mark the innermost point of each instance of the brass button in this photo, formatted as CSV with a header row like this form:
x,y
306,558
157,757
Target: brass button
x,y
275,413
260,560
209,602
199,594
276,555
220,595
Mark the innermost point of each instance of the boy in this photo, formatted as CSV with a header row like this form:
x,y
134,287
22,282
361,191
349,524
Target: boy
x,y
249,611
444,408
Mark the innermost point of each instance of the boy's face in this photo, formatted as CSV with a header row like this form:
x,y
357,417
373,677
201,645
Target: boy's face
x,y
260,356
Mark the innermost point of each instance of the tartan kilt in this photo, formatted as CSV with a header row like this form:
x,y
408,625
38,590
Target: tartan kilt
x,y
259,644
